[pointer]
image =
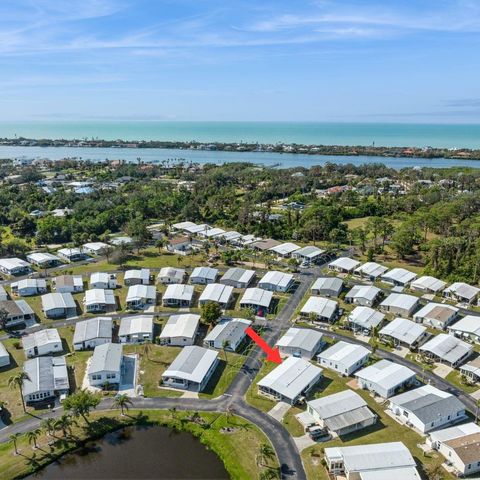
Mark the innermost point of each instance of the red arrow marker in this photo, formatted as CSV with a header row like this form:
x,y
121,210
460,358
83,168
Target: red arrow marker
x,y
273,354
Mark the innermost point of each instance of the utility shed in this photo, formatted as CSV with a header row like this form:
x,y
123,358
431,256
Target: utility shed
x,y
228,334
436,315
191,369
427,408
404,332
300,342
341,413
385,378
447,349
343,357
180,330
290,380
327,286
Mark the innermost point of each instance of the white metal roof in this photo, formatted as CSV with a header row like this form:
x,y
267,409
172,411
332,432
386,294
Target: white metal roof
x,y
12,263
279,279
285,248
403,330
192,364
447,347
386,374
457,431
400,300
257,296
366,317
30,283
372,269
140,291
436,311
400,275
211,232
41,338
45,373
41,257
291,377
367,292
179,291
55,300
142,274
171,272
469,324
204,272
346,353
344,263
100,277
216,292
428,283
183,225
197,228
230,330
95,246
464,290
239,275
100,296
184,325
69,252
323,307
92,328
310,251
328,283
106,358
304,338
136,325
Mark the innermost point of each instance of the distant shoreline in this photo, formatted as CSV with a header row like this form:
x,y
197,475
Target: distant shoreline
x,y
290,148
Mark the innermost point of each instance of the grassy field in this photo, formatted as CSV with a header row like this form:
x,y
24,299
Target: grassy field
x,y
253,397
238,449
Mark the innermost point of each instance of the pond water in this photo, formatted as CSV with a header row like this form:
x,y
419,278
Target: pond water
x,y
138,453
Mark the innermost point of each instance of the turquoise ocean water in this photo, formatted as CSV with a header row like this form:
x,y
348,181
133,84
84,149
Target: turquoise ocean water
x,y
386,134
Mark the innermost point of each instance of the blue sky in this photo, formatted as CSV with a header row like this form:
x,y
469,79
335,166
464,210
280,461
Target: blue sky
x,y
320,60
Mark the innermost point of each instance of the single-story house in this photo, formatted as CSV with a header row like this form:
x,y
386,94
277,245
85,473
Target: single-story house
x,y
139,296
106,364
363,295
290,380
95,248
436,315
447,349
197,229
276,281
216,293
404,332
227,334
436,438
43,259
68,283
119,241
182,226
191,369
427,408
14,266
300,342
462,292
100,300
211,232
472,370
370,271
258,300
180,330
42,342
170,275
284,250
238,277
343,357
203,275
103,280
463,453
428,284
324,309
4,356
341,413
265,244
137,276
178,295
48,377
92,332
378,461
180,244
57,305
343,265
136,329
364,319
17,312
230,237
71,254
399,277
29,286
327,286
309,253
385,378
468,328
399,304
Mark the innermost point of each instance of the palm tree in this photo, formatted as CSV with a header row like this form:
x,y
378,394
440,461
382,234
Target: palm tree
x,y
17,381
65,423
225,345
48,425
13,438
265,453
33,435
123,402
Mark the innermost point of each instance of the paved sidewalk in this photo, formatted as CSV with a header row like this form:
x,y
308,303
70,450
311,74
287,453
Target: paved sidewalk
x,y
279,411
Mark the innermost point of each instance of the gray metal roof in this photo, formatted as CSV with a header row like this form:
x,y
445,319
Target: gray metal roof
x,y
46,373
304,338
447,347
41,338
228,330
51,301
367,292
99,327
328,283
386,374
106,357
239,275
192,364
136,325
346,353
204,272
403,330
366,317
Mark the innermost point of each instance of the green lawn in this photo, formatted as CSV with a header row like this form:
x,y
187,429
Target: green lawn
x,y
253,397
455,378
